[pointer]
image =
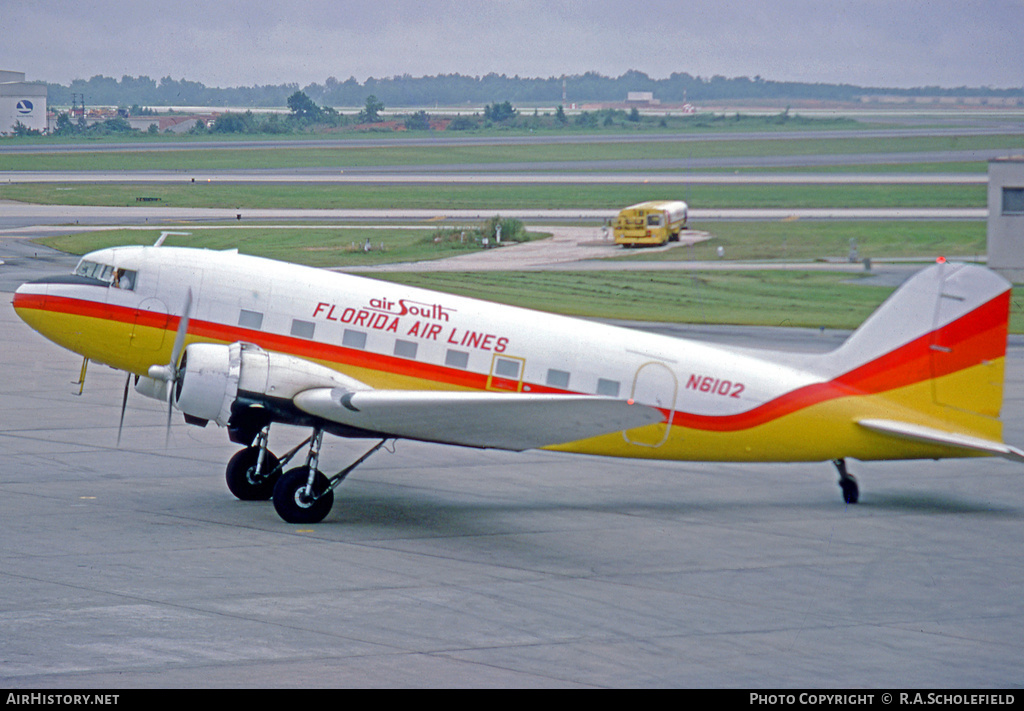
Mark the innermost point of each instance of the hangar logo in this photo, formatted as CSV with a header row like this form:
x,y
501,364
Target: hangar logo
x,y
24,106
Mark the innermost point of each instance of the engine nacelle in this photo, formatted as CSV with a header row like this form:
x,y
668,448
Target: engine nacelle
x,y
208,381
211,377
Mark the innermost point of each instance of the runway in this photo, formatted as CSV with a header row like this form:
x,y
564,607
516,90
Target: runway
x,y
444,567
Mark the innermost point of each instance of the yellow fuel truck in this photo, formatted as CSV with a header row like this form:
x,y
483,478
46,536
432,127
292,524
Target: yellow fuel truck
x,y
650,223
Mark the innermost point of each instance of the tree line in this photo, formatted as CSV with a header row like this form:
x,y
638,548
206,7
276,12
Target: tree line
x,y
459,89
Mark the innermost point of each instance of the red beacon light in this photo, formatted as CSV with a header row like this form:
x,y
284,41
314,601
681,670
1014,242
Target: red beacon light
x,y
940,260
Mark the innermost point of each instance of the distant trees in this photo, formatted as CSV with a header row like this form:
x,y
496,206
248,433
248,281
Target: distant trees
x,y
371,111
459,89
302,107
462,123
234,123
417,122
20,129
499,112
66,127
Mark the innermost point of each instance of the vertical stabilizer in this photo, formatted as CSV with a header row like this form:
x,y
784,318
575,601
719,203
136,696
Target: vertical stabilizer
x,y
945,328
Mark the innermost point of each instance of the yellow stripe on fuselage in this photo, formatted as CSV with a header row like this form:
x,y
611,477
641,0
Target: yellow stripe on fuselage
x,y
819,432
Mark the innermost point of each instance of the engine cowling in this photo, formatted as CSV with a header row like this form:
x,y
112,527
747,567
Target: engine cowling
x,y
211,376
208,381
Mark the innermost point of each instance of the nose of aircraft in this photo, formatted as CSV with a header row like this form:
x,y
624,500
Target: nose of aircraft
x,y
31,294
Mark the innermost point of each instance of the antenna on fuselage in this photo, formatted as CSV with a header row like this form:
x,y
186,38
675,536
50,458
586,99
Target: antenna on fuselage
x,y
165,235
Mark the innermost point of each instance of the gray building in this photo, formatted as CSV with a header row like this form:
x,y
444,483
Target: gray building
x,y
21,101
1006,217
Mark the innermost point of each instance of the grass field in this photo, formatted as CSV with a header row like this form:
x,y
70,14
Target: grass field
x,y
810,240
756,298
314,246
495,197
767,298
347,155
340,246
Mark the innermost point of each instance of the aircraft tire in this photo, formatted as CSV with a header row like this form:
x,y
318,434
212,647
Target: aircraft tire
x,y
290,503
851,492
241,475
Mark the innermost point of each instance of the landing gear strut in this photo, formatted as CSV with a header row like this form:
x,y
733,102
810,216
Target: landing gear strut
x,y
253,472
304,494
851,492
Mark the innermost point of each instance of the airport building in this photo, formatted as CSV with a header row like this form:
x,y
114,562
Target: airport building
x,y
21,101
1006,217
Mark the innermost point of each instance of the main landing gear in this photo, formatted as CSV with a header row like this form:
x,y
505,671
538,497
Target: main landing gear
x,y
302,494
851,492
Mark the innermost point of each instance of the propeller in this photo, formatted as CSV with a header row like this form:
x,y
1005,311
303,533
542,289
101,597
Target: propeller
x,y
124,404
171,373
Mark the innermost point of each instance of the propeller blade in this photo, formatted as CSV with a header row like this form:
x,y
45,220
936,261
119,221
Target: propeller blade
x,y
124,404
170,403
172,369
179,337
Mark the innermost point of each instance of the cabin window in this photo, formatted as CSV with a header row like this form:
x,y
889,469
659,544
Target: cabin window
x,y
250,319
558,379
353,339
608,388
405,349
1013,201
506,368
302,329
457,359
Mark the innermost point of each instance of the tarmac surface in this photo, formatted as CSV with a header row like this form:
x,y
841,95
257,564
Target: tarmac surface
x,y
133,566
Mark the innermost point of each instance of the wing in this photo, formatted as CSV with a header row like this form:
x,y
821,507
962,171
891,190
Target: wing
x,y
477,419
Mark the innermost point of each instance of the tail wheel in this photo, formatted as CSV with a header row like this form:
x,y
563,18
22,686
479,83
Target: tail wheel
x,y
245,482
851,492
294,504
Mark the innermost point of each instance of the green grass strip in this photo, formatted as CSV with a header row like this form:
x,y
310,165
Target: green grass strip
x,y
496,197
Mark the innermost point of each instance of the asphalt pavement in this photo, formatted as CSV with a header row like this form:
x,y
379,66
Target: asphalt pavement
x,y
133,566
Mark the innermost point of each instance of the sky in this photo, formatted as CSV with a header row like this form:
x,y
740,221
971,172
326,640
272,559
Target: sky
x,y
223,43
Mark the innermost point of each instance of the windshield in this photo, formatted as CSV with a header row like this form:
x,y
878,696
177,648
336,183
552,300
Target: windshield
x,y
107,273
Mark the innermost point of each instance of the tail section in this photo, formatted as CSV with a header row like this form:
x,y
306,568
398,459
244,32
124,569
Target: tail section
x,y
934,352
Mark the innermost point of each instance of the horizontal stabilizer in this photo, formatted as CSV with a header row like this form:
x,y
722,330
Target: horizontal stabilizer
x,y
974,446
477,419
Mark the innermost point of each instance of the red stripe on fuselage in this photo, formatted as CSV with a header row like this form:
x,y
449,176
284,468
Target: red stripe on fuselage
x,y
973,338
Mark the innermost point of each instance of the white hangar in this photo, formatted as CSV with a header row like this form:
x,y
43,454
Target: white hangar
x,y
21,101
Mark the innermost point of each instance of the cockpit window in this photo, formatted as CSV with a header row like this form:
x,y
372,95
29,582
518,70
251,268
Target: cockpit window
x,y
118,278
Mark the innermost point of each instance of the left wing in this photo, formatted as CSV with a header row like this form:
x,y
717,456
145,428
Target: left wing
x,y
477,419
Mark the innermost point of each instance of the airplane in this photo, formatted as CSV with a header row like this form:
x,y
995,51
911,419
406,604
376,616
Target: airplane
x,y
247,342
